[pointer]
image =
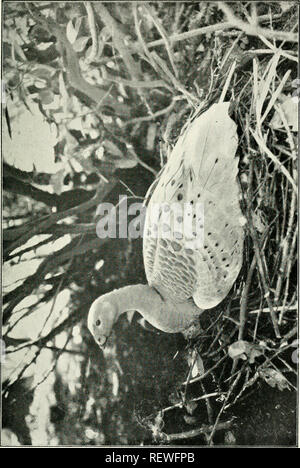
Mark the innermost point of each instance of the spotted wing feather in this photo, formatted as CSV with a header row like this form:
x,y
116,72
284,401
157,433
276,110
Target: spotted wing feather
x,y
199,177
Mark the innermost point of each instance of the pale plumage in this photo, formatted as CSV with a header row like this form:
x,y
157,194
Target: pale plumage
x,y
188,270
201,169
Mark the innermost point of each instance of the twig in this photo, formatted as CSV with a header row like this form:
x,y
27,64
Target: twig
x,y
28,310
142,163
289,334
273,158
214,340
190,34
192,100
209,371
259,257
72,319
178,37
214,428
180,404
93,28
294,371
179,8
163,34
290,140
58,290
285,378
288,273
285,247
227,82
238,396
79,228
280,350
244,299
143,46
254,29
208,405
222,26
59,353
119,40
154,116
19,253
193,362
196,432
272,51
43,225
277,309
275,95
52,261
69,351
137,84
228,53
275,50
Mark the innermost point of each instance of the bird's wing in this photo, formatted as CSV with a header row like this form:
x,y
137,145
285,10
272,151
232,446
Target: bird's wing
x,y
193,237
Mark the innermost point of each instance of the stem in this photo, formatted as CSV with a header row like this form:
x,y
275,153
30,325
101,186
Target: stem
x,y
255,29
93,28
195,432
244,299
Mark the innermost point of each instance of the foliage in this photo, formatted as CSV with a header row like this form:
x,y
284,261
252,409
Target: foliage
x,y
113,84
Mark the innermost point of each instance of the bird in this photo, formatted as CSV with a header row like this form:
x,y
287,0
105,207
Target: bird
x,y
193,233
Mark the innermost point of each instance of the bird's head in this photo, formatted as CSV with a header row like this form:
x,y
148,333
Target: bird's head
x,y
102,316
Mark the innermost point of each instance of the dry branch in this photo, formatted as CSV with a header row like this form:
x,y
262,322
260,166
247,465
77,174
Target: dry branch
x,y
102,190
204,430
254,29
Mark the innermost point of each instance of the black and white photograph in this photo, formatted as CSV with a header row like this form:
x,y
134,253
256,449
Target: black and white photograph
x,y
149,226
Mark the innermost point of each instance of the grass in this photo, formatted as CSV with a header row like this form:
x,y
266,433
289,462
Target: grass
x,y
262,308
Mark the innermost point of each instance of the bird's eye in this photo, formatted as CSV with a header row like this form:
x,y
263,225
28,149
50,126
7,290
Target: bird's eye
x,y
98,323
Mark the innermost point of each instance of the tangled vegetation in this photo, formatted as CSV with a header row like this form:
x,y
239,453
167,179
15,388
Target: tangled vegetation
x,y
115,83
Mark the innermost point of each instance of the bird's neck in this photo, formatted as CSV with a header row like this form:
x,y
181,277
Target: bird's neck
x,y
162,314
139,297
